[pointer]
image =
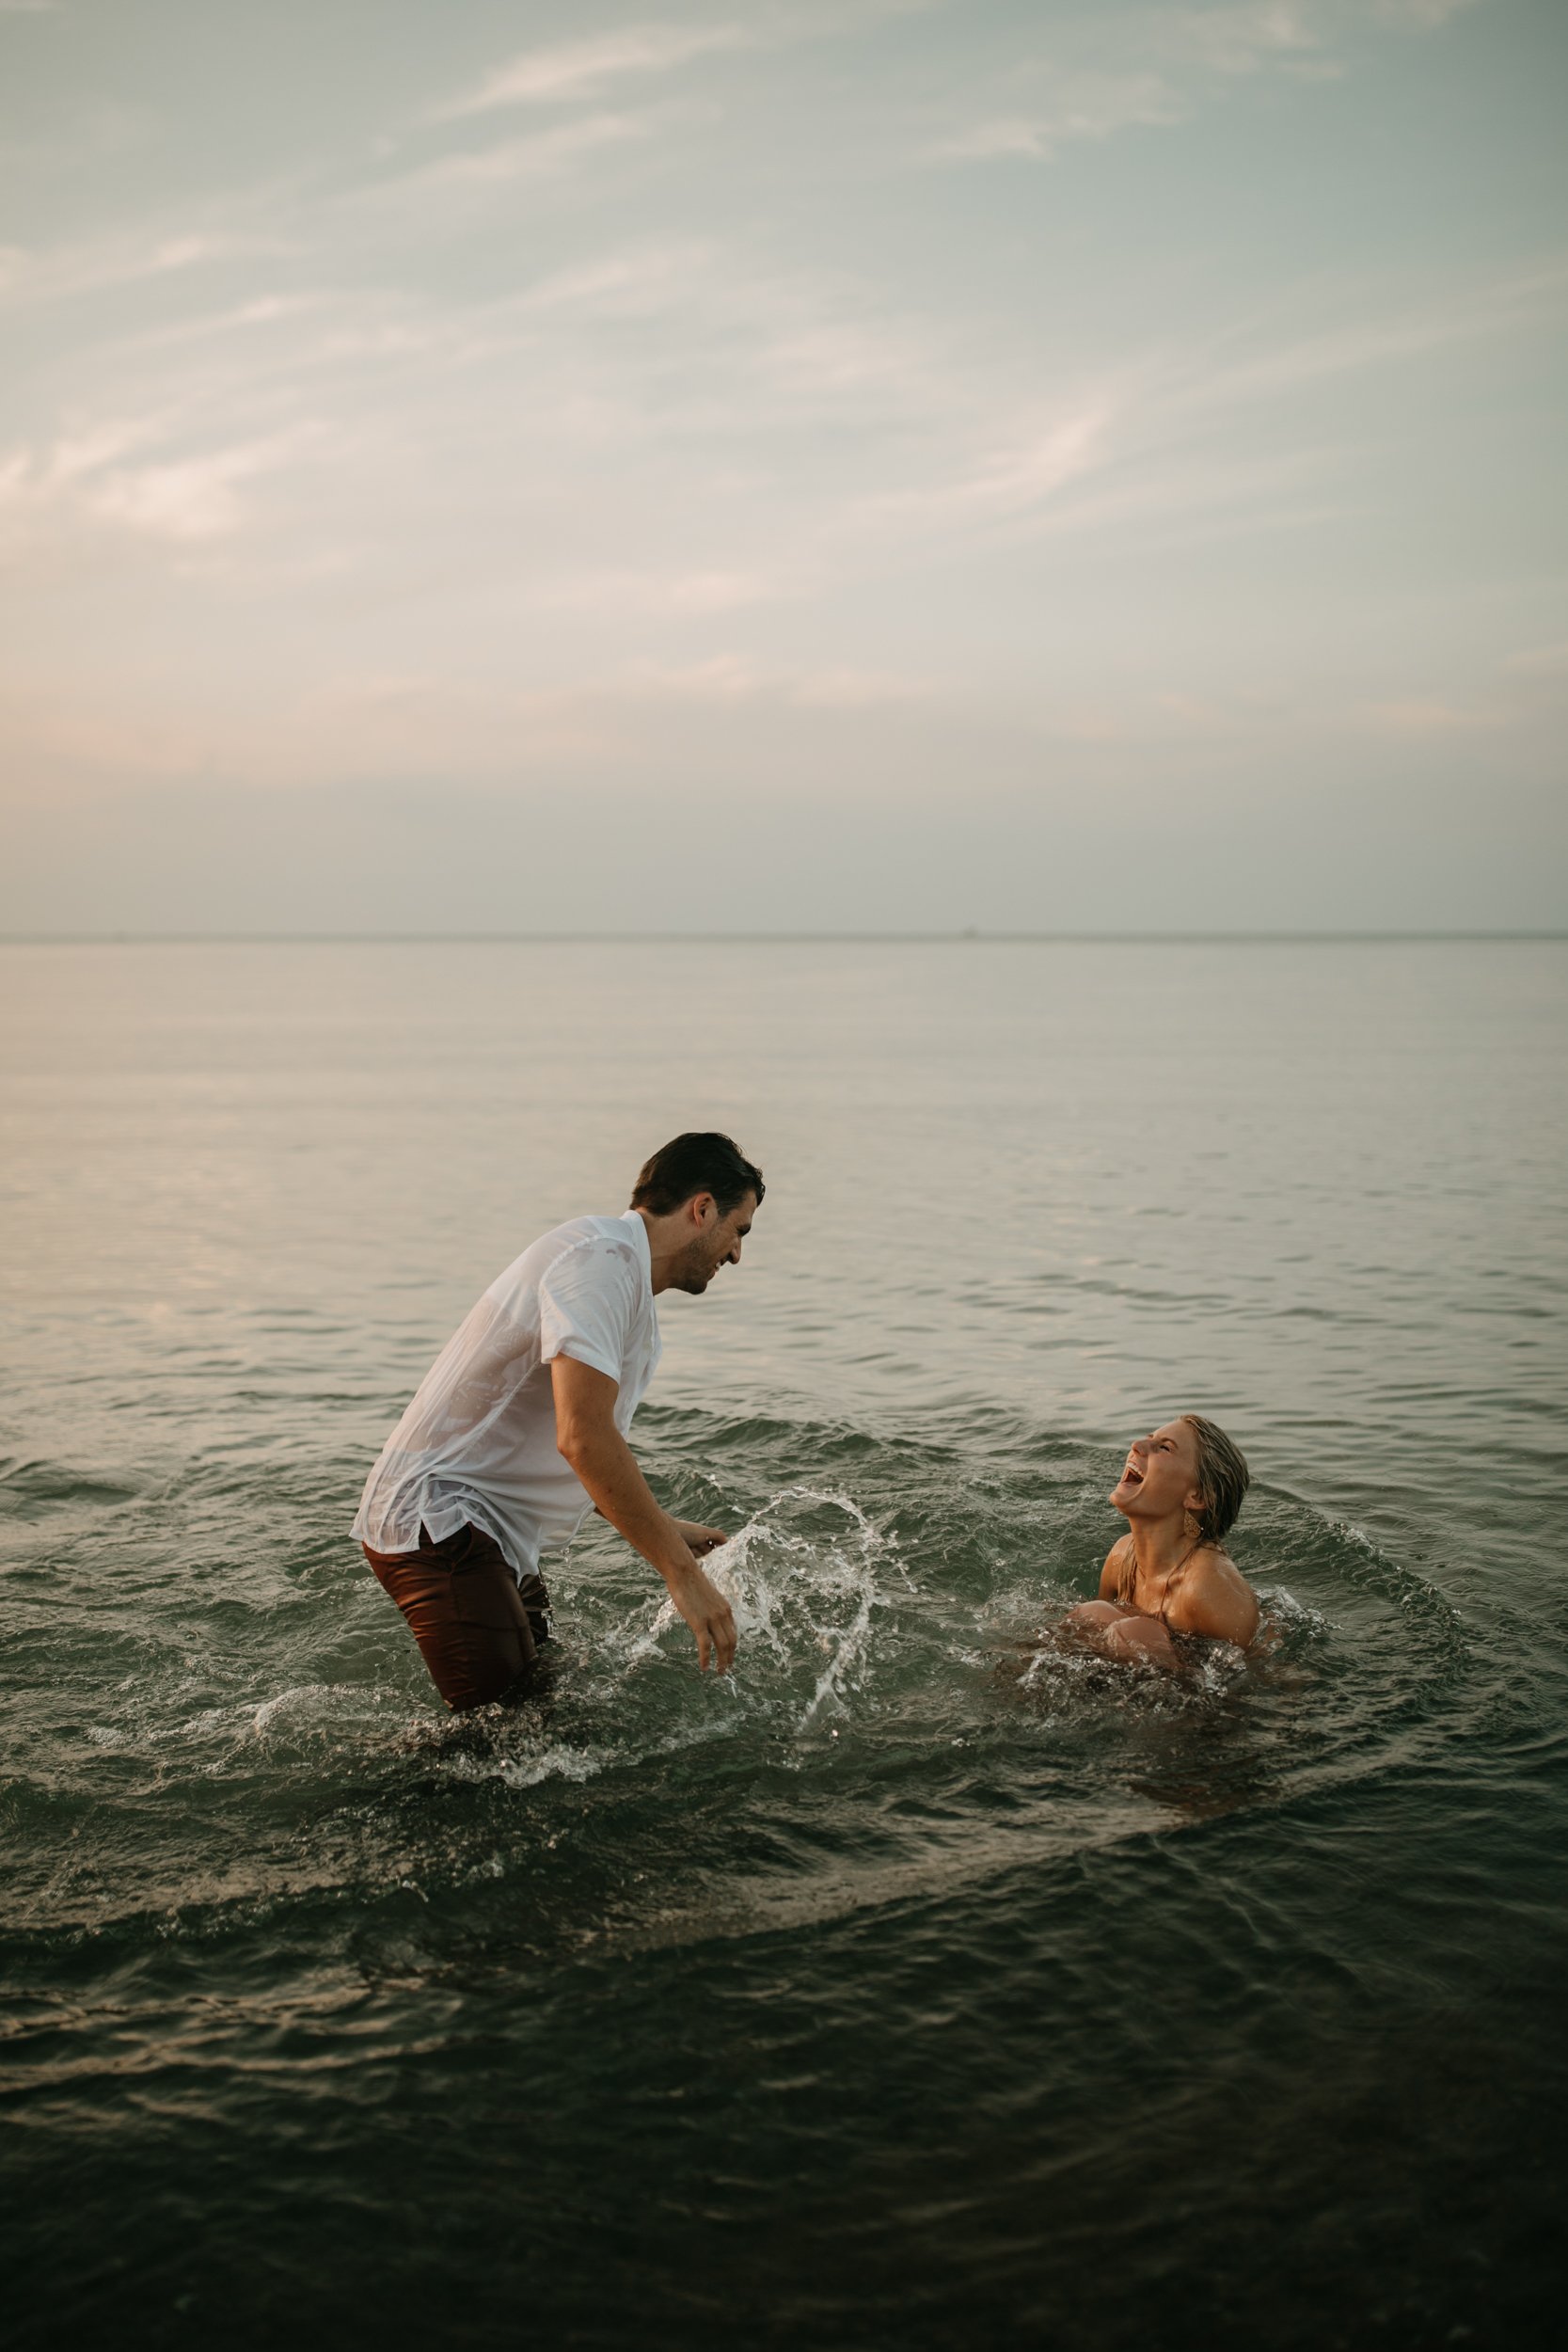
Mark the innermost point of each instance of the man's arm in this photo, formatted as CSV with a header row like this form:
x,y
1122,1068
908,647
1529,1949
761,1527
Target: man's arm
x,y
700,1539
586,1436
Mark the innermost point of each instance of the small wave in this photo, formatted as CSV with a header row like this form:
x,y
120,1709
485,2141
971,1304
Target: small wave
x,y
34,1487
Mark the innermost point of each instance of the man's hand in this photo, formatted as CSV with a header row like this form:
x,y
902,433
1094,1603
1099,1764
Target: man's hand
x,y
708,1614
701,1540
587,1436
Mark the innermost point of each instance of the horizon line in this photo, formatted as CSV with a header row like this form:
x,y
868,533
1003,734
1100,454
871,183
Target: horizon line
x,y
970,935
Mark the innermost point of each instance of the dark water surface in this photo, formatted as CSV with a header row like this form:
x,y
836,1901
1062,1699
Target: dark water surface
x,y
919,1986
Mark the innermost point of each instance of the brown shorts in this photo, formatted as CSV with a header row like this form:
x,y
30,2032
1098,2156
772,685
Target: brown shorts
x,y
478,1630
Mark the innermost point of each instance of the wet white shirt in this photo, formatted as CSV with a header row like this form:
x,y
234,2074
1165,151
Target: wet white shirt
x,y
477,1441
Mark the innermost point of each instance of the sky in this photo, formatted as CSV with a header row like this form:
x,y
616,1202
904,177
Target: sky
x,y
810,466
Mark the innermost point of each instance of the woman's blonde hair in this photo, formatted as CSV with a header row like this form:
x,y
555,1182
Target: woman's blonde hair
x,y
1223,1479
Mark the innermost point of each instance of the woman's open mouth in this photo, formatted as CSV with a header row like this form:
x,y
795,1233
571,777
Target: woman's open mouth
x,y
1132,1476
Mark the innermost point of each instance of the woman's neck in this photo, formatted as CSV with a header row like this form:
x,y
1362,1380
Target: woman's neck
x,y
1159,1546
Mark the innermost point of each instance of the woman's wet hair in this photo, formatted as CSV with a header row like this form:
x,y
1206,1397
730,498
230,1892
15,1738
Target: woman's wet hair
x,y
692,1163
1223,1479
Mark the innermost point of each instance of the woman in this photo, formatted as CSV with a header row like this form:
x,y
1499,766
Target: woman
x,y
1180,1493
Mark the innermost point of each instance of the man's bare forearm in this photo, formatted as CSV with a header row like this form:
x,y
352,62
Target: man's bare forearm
x,y
590,1439
619,1493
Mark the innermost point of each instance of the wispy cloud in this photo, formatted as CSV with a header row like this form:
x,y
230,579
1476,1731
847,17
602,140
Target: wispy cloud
x,y
1548,661
113,475
1422,719
100,265
545,155
1156,68
679,594
1243,40
565,72
1425,15
727,678
1083,107
1011,481
627,283
1380,338
558,74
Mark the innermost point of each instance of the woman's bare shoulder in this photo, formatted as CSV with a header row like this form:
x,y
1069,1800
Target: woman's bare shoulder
x,y
1216,1599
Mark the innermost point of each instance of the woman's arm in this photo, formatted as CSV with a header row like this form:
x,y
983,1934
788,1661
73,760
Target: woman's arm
x,y
1117,1632
1142,1641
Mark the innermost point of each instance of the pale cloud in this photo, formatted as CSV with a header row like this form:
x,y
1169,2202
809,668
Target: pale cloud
x,y
408,725
97,478
843,688
189,499
632,283
101,265
1480,309
471,183
720,678
545,155
1155,446
961,458
1425,15
725,679
571,70
48,739
1240,41
1082,107
1549,662
678,594
565,72
1009,482
1174,497
1432,717
413,724
1156,68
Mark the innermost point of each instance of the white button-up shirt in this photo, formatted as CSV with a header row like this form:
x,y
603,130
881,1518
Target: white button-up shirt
x,y
477,1441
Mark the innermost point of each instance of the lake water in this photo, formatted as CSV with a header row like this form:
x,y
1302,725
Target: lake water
x,y
913,1987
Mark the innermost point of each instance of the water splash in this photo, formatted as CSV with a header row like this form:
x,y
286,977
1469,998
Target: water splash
x,y
804,1601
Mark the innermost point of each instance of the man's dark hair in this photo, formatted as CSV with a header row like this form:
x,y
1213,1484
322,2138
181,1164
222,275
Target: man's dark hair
x,y
693,1164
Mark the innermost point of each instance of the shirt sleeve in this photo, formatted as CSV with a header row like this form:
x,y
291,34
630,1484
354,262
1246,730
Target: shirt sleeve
x,y
586,1304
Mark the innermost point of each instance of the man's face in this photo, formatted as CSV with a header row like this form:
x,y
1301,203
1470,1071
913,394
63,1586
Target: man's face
x,y
715,1241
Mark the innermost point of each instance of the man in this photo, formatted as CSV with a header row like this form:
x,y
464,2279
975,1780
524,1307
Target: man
x,y
521,1426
